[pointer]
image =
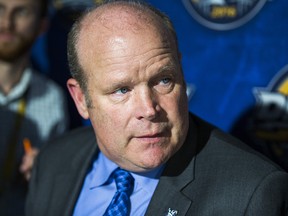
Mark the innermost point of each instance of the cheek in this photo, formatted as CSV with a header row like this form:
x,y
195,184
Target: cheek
x,y
28,28
105,119
178,115
176,105
109,124
111,131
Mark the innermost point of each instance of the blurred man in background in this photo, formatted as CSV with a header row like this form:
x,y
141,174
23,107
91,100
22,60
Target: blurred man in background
x,y
32,107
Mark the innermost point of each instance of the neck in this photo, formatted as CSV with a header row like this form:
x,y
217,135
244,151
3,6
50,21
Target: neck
x,y
11,73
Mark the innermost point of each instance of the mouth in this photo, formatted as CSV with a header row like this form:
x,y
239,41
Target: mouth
x,y
6,36
150,135
152,138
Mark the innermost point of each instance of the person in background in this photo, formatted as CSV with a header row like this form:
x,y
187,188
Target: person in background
x,y
32,107
145,153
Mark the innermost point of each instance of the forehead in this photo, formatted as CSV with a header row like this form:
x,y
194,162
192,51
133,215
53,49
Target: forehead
x,y
104,27
121,17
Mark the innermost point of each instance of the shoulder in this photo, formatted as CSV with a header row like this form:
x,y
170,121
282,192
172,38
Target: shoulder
x,y
232,166
227,162
45,94
243,176
41,84
67,146
226,150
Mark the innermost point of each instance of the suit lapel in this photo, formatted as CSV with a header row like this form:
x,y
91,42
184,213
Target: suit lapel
x,y
169,195
179,174
68,185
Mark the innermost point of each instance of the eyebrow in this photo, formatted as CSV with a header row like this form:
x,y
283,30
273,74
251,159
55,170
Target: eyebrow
x,y
169,66
122,81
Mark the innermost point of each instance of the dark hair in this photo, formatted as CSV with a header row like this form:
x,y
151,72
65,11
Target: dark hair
x,y
75,68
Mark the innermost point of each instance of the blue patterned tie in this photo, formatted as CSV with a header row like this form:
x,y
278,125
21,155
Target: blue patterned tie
x,y
120,204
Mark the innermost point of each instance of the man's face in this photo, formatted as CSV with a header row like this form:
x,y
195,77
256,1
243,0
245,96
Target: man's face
x,y
19,27
139,105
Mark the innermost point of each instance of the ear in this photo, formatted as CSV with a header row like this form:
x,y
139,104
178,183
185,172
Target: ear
x,y
79,97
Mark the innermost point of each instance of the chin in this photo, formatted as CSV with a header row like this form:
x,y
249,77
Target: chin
x,y
152,161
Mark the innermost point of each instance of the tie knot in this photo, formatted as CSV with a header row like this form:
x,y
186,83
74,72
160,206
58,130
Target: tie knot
x,y
124,180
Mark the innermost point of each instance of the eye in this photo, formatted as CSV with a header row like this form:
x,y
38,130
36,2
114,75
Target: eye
x,y
120,94
164,85
2,10
23,12
165,81
123,90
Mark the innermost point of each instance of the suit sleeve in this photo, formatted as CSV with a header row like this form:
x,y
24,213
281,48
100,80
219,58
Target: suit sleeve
x,y
270,197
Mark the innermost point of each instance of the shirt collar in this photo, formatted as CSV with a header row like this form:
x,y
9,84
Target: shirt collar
x,y
19,89
103,167
147,180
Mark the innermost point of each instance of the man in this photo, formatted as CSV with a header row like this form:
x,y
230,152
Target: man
x,y
127,79
32,108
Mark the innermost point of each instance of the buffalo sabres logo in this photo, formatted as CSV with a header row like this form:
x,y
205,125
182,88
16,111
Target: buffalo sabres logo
x,y
272,114
270,122
223,14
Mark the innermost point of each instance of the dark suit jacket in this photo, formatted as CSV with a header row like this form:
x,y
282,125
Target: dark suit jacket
x,y
212,174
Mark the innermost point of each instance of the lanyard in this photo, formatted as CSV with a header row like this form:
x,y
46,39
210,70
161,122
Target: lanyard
x,y
10,159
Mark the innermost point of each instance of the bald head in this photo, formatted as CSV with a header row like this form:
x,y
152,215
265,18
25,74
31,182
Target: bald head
x,y
120,16
109,26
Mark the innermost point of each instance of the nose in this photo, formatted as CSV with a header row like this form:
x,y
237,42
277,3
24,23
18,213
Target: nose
x,y
147,106
6,22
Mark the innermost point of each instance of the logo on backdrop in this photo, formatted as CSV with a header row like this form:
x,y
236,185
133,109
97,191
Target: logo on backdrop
x,y
223,14
270,121
272,108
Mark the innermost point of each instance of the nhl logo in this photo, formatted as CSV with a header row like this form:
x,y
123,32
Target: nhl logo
x,y
223,14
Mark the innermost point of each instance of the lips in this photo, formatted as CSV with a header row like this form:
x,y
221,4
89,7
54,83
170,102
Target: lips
x,y
151,138
150,135
5,36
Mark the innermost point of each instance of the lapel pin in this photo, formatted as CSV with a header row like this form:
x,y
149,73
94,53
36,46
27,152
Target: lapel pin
x,y
172,212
